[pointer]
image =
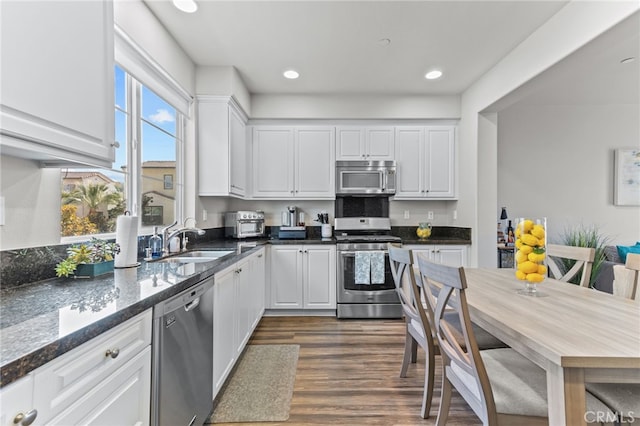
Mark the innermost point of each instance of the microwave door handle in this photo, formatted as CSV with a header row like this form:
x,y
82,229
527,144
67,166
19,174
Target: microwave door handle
x,y
385,179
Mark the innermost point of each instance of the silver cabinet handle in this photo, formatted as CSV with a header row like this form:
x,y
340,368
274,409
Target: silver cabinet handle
x,y
260,255
25,419
113,353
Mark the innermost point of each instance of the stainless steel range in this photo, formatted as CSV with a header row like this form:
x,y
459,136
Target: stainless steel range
x,y
361,240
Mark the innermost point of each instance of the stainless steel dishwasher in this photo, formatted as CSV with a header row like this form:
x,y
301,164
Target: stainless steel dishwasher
x,y
183,357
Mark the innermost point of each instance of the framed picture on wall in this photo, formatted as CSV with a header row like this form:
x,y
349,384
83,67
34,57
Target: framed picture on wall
x,y
627,177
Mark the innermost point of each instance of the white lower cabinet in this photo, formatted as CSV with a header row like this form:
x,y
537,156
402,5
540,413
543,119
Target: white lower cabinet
x,y
104,381
238,306
303,277
452,255
16,402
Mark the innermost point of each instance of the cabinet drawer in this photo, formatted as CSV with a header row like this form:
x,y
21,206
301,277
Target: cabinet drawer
x,y
63,381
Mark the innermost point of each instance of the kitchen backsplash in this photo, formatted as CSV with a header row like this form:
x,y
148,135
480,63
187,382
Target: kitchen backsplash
x,y
24,266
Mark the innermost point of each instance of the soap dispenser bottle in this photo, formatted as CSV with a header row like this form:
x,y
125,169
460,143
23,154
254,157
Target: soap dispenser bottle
x,y
155,243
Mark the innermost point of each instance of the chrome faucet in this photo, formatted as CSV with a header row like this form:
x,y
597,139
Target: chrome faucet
x,y
166,236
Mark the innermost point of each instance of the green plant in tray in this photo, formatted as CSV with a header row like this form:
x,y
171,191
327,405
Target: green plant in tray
x,y
95,251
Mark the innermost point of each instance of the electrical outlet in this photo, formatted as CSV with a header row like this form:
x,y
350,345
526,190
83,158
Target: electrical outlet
x,y
455,215
204,214
406,214
430,215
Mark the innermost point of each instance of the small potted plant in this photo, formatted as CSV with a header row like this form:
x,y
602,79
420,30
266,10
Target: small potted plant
x,y
88,259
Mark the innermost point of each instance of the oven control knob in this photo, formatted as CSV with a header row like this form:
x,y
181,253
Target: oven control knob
x,y
244,216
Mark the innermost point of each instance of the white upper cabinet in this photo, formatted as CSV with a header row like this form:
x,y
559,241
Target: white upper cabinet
x,y
365,143
293,162
57,79
222,146
426,159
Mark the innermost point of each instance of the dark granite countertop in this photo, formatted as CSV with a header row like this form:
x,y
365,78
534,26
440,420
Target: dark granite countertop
x,y
41,321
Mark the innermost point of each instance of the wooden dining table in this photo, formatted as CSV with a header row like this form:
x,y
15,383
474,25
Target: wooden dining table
x,y
575,334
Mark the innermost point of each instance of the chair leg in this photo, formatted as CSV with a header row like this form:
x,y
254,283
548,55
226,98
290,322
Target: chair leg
x,y
408,344
445,401
414,350
429,373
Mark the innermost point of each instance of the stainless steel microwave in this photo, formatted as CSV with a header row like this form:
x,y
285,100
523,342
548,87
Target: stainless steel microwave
x,y
244,224
365,177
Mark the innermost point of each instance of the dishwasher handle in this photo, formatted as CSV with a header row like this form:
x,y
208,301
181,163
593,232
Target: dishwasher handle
x,y
192,305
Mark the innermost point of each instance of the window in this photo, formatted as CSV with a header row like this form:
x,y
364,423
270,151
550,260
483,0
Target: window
x,y
145,177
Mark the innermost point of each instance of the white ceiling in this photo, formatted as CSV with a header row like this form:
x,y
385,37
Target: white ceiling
x,y
335,45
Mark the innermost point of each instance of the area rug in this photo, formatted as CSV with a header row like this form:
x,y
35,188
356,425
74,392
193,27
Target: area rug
x,y
260,387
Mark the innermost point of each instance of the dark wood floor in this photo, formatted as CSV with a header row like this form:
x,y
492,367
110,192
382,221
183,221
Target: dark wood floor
x,y
348,373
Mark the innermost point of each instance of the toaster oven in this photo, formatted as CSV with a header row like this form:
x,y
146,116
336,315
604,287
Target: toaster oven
x,y
244,224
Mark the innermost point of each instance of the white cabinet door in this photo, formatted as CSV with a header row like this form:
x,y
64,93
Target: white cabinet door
x,y
425,157
380,143
123,398
273,162
243,302
238,145
57,79
257,282
68,378
315,162
365,143
319,264
222,151
224,349
350,143
452,255
16,399
440,162
286,277
410,162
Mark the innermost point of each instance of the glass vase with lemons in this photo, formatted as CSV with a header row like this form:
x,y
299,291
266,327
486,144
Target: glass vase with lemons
x,y
424,230
531,254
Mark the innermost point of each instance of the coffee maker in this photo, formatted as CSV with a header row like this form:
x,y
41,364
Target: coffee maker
x,y
293,226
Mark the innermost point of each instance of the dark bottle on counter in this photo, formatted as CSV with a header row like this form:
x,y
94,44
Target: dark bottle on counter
x,y
510,235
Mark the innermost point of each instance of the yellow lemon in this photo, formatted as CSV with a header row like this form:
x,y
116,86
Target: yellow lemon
x,y
521,256
526,225
538,231
529,240
519,243
518,232
526,249
536,257
535,278
521,275
542,270
528,267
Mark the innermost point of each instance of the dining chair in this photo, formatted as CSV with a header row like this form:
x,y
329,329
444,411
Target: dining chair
x,y
500,385
622,398
625,278
419,320
566,262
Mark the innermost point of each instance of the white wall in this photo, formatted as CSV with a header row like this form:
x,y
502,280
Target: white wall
x,y
572,27
557,161
32,204
141,25
354,107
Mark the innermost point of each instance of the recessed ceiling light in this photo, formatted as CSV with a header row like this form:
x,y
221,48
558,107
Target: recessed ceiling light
x,y
291,74
384,41
432,75
188,6
628,60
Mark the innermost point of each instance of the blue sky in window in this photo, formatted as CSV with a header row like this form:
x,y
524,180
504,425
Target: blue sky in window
x,y
156,144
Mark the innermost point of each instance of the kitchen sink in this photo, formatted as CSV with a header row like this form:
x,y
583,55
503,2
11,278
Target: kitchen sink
x,y
199,256
212,254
